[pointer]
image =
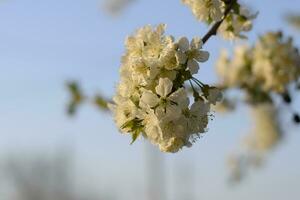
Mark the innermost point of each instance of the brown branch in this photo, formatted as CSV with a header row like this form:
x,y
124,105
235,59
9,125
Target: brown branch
x,y
215,27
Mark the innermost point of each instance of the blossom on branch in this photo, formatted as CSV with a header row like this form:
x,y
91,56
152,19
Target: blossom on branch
x,y
263,72
236,71
237,19
236,23
276,61
151,98
206,11
268,67
266,131
265,135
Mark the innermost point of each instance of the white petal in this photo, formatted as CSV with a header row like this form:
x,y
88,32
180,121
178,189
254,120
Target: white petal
x,y
180,97
196,43
181,57
173,112
161,29
148,98
200,108
215,95
183,44
202,56
153,72
193,66
164,87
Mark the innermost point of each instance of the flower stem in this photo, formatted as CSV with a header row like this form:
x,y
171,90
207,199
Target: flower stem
x,y
198,82
213,30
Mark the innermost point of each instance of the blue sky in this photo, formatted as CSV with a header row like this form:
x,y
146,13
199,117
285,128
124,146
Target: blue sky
x,y
45,43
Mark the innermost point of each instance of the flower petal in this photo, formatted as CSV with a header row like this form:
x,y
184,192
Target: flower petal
x,y
196,43
180,97
215,95
193,66
200,108
202,56
181,57
183,44
164,87
149,99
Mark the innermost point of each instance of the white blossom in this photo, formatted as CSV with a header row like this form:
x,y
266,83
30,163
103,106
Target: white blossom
x,y
151,98
197,117
215,95
266,132
235,72
206,10
236,24
269,66
237,21
264,136
276,61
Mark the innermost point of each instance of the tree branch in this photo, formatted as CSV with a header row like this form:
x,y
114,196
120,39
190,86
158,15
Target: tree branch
x,y
215,27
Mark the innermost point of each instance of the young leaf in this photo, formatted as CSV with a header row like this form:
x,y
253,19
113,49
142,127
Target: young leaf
x,y
135,135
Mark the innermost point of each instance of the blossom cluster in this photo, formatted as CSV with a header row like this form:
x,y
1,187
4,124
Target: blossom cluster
x,y
262,71
152,99
236,71
237,21
269,66
276,61
266,132
207,11
265,136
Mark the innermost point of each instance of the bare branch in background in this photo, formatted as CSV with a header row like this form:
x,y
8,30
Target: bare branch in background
x,y
294,20
41,177
76,97
214,29
116,7
266,134
101,102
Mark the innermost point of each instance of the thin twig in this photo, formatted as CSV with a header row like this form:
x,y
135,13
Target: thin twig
x,y
215,27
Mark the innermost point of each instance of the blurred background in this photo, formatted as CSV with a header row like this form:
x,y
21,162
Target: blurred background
x,y
45,154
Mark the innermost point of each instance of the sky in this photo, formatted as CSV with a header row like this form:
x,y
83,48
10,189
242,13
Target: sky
x,y
45,43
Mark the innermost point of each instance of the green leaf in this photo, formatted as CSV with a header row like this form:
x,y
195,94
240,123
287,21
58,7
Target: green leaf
x,y
128,124
209,20
242,18
71,108
236,8
294,20
230,28
76,97
101,102
205,90
134,124
134,136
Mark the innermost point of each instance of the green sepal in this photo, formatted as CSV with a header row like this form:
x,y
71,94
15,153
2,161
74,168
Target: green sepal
x,y
128,124
135,127
101,102
236,8
205,89
134,136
